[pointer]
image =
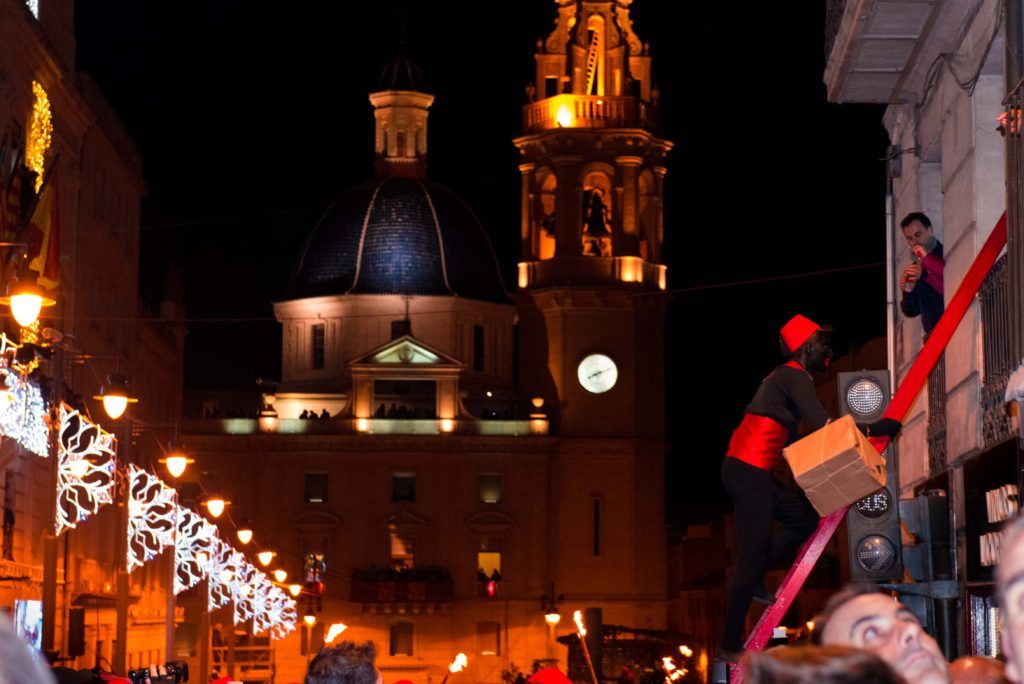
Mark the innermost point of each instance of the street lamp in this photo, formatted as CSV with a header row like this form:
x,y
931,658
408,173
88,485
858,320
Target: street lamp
x,y
215,504
265,556
176,459
26,297
280,575
244,532
115,397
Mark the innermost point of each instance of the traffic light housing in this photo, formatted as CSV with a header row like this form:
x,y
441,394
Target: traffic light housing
x,y
873,523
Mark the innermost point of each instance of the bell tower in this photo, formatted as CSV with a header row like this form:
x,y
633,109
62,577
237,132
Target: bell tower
x,y
591,275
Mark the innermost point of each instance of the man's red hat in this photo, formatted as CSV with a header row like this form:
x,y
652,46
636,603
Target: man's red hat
x,y
797,331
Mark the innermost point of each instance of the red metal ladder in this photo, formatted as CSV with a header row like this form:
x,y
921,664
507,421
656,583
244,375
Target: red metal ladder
x,y
898,407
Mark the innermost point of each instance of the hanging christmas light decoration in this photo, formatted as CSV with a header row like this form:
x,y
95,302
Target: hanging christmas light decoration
x,y
24,415
245,592
195,535
151,516
40,133
223,572
86,469
261,619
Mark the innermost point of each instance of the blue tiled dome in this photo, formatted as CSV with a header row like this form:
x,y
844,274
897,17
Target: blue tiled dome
x,y
399,236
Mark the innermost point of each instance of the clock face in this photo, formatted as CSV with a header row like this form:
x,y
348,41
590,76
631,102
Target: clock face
x,y
597,373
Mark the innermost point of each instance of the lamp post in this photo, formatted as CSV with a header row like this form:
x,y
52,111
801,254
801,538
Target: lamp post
x,y
310,619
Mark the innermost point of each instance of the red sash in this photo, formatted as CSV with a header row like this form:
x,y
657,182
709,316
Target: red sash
x,y
758,441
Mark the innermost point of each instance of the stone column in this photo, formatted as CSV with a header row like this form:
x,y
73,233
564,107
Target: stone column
x,y
627,244
568,206
526,218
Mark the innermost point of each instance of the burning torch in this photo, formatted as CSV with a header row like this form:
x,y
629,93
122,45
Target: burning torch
x,y
460,662
581,631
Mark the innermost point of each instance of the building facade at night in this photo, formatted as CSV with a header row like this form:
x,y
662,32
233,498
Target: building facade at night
x,y
949,73
97,327
444,462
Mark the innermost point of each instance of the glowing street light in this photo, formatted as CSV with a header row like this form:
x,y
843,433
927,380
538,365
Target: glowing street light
x,y
244,534
216,504
176,460
280,575
115,397
27,298
265,556
295,589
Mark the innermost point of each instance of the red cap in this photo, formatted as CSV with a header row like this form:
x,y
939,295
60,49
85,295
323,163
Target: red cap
x,y
549,675
797,331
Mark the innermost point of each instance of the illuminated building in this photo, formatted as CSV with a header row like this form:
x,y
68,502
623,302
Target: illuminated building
x,y
50,108
482,450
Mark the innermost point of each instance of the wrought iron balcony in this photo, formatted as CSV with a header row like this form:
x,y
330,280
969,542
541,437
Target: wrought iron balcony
x,y
375,584
997,351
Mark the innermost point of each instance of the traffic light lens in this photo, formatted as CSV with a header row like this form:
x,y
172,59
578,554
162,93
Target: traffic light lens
x,y
864,396
876,553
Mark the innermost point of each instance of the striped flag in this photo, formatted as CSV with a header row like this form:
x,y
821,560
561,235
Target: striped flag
x,y
42,234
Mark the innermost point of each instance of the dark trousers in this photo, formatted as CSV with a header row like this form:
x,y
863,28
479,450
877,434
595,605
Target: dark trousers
x,y
758,498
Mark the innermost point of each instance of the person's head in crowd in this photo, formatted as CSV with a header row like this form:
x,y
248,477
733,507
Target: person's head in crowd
x,y
978,670
1010,584
345,663
917,229
817,665
19,664
860,615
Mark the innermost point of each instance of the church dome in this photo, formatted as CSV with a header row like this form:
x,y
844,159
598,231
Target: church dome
x,y
399,236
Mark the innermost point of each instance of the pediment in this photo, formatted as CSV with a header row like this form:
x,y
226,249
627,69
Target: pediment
x,y
404,518
316,521
406,350
490,519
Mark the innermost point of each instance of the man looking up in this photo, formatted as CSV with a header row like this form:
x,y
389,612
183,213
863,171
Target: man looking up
x,y
922,280
861,616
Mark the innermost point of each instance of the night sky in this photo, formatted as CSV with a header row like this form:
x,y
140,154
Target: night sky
x,y
252,119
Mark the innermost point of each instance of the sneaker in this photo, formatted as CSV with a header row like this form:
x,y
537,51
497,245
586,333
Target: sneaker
x,y
728,656
763,596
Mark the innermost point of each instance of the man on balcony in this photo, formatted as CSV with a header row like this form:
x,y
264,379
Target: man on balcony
x,y
921,281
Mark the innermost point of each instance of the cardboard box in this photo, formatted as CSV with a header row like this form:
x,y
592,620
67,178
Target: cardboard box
x,y
836,465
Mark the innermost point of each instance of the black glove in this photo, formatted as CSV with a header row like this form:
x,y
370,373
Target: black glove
x,y
886,427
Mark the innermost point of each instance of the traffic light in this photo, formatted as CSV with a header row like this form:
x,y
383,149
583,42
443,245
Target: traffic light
x,y
873,523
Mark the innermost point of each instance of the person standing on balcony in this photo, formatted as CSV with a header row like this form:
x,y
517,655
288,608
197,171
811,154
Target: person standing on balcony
x,y
785,398
921,281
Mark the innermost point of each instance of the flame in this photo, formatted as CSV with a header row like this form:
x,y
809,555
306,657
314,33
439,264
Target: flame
x,y
460,662
335,629
686,651
668,664
672,673
578,619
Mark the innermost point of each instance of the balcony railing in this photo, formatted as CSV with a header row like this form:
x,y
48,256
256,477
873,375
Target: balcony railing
x,y
1014,138
417,585
997,353
937,417
589,111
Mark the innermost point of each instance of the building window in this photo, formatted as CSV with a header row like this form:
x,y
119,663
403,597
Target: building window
x,y
478,348
403,487
403,548
319,332
488,573
314,567
400,639
597,527
316,488
400,150
490,487
488,638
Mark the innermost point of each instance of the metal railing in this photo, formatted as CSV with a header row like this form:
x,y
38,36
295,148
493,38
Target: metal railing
x,y
589,111
1014,137
997,353
937,417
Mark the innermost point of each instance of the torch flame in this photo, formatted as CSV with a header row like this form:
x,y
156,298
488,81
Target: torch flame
x,y
578,618
335,629
460,662
686,650
668,664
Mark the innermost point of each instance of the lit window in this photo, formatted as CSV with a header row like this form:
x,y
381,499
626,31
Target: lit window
x,y
319,331
490,487
488,638
400,641
316,488
488,573
403,487
315,567
403,549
